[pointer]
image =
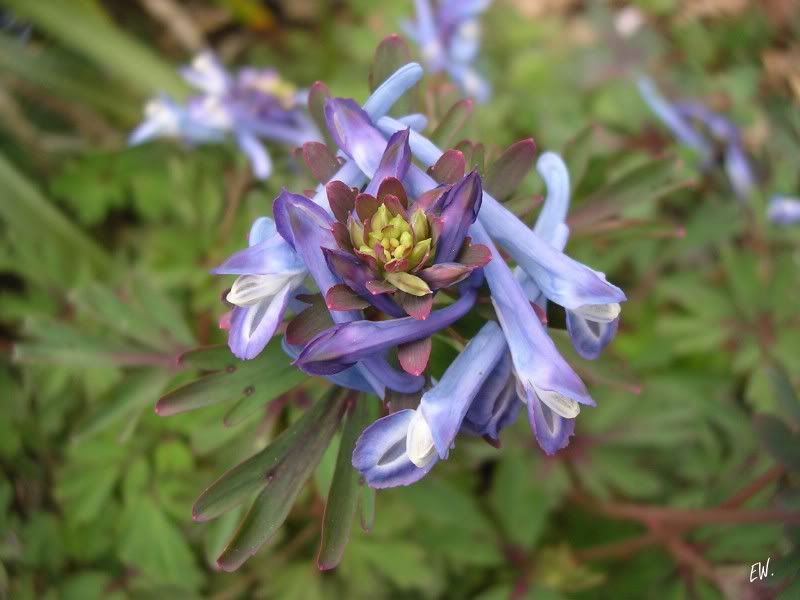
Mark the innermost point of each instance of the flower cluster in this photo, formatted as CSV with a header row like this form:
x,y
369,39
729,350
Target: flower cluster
x,y
251,105
448,37
680,117
400,241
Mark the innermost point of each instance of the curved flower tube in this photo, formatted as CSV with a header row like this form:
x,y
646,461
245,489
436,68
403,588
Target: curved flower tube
x,y
351,378
269,274
347,343
402,448
590,330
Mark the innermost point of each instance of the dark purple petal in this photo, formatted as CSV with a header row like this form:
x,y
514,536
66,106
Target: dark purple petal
x,y
353,132
341,297
309,323
320,161
474,255
348,343
449,168
380,453
394,163
341,198
393,187
460,206
296,214
418,307
366,206
342,236
445,274
505,174
496,405
356,275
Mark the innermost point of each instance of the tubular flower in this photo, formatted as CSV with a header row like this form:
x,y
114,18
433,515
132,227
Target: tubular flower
x,y
590,328
546,383
401,448
449,39
254,104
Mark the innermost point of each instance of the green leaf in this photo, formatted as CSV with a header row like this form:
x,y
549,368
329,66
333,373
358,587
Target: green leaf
x,y
25,209
342,502
784,392
120,54
150,542
137,391
367,508
782,443
280,384
284,483
265,377
636,187
520,502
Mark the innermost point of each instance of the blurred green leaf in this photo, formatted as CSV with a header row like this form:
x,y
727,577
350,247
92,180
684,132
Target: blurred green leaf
x,y
114,50
284,482
152,544
340,507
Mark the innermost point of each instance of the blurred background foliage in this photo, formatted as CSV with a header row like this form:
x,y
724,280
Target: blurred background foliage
x,y
679,480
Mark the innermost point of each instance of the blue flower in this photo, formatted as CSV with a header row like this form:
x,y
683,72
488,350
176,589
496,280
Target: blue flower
x,y
403,447
254,104
546,383
449,40
591,328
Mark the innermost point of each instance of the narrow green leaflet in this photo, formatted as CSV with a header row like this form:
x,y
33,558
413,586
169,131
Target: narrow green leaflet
x,y
114,50
25,209
236,485
343,496
137,392
284,483
264,378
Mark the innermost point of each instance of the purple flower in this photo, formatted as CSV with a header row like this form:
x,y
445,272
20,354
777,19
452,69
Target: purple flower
x,y
546,382
395,252
784,210
252,105
591,328
449,39
403,447
269,274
